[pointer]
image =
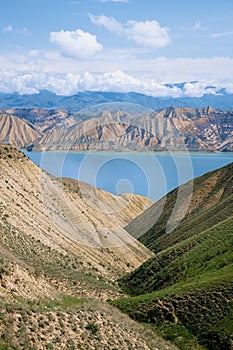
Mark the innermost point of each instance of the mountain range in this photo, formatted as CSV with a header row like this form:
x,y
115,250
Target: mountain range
x,y
85,100
82,267
173,129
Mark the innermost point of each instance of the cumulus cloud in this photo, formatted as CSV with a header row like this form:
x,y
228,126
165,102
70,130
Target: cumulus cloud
x,y
143,33
34,71
148,33
118,81
76,44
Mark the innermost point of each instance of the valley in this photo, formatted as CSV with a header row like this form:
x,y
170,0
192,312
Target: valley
x,y
187,287
65,264
116,175
54,281
80,265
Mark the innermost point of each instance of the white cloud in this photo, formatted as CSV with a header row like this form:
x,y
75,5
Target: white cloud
x,y
22,31
34,71
76,44
220,35
197,27
69,84
8,29
109,23
147,33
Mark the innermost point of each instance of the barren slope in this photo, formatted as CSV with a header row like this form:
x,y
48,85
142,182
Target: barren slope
x,y
172,128
81,223
16,131
44,119
47,274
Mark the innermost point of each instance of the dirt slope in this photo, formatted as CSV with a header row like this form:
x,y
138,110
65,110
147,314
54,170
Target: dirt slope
x,y
54,257
16,131
83,222
203,129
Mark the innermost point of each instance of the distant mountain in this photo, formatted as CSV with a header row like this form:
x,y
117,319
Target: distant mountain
x,y
204,129
44,119
83,100
186,290
16,131
172,128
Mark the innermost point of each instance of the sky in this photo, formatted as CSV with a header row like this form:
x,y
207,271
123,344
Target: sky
x,y
146,46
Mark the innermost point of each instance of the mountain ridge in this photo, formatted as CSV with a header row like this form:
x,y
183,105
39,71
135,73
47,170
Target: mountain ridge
x,y
85,99
203,199
173,129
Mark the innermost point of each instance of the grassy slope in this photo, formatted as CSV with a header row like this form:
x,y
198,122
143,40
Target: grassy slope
x,y
186,290
211,202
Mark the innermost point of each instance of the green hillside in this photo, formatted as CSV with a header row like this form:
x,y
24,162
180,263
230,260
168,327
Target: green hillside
x,y
186,289
211,202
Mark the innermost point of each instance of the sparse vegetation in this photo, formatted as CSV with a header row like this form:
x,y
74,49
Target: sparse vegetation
x,y
45,282
186,290
184,293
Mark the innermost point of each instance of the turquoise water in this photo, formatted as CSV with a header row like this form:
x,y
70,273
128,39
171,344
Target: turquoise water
x,y
148,174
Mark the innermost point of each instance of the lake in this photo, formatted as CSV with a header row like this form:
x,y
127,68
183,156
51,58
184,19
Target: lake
x,y
149,174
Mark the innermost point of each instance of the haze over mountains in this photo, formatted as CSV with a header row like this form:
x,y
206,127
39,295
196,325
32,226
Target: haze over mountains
x,y
86,99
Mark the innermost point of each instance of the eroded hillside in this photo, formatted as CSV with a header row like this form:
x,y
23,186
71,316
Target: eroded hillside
x,y
17,132
54,279
80,228
173,129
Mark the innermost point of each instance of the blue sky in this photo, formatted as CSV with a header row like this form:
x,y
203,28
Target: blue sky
x,y
116,45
